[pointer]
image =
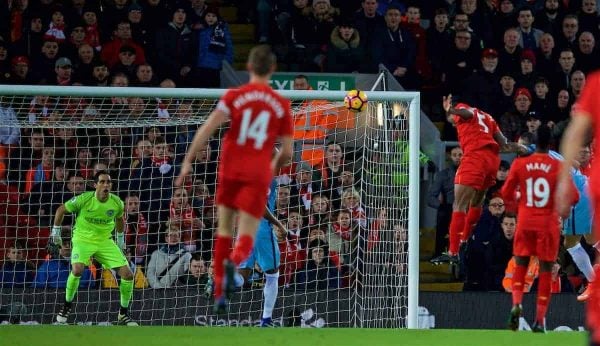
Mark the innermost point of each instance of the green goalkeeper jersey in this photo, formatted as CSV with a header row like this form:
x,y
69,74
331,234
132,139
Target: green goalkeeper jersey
x,y
95,220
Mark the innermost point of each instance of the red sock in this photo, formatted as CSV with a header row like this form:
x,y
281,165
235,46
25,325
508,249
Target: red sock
x,y
472,218
543,296
517,284
242,250
456,227
222,249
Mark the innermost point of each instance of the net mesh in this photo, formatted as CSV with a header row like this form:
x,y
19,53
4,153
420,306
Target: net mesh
x,y
352,203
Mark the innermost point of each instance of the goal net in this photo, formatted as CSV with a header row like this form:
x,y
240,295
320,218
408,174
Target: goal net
x,y
345,200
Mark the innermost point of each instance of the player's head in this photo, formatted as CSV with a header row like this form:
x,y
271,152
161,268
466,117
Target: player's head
x,y
544,137
102,183
261,61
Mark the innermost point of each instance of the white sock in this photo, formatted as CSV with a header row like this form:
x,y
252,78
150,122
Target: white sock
x,y
239,280
582,260
270,294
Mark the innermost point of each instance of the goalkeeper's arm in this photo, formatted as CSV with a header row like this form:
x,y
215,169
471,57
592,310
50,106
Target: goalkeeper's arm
x,y
120,228
55,235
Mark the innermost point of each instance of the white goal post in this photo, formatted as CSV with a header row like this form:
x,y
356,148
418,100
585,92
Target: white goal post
x,y
381,286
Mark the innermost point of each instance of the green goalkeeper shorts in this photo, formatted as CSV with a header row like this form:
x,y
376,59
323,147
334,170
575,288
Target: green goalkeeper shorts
x,y
106,252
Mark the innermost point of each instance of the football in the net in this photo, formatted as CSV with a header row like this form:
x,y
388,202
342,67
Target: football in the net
x,y
356,100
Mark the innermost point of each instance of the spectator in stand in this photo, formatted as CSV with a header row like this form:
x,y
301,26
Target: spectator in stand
x,y
144,76
197,274
483,85
183,217
540,100
367,22
296,230
413,25
330,169
561,78
20,73
213,45
588,17
568,35
549,19
510,53
527,76
586,54
302,187
126,63
577,83
292,258
113,13
439,41
56,29
47,196
534,121
481,20
513,123
205,168
282,203
500,179
23,158
474,258
499,252
504,18
30,42
139,26
342,235
324,18
64,71
395,48
10,132
319,273
320,211
174,46
461,22
55,269
92,31
44,63
75,38
441,197
136,229
121,37
84,64
41,171
546,57
15,270
196,14
504,100
530,36
169,262
351,201
100,74
346,50
460,61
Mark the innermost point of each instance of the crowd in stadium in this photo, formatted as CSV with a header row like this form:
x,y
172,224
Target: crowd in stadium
x,y
522,61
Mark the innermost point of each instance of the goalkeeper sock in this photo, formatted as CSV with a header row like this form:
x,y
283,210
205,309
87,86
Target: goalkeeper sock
x,y
243,249
517,284
126,291
269,294
471,221
543,296
72,286
582,260
222,248
457,225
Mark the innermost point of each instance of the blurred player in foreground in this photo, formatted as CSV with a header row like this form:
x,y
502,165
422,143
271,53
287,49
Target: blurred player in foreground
x,y
585,116
98,212
538,224
257,116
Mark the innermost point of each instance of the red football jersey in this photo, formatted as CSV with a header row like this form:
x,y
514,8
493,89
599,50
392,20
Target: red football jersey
x,y
476,132
536,178
589,102
258,116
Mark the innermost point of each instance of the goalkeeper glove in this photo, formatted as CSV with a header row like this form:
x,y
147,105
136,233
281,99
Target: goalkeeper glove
x,y
55,237
121,240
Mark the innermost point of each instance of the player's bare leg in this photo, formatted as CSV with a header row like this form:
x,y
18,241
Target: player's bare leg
x,y
463,195
473,215
126,292
543,296
71,289
221,253
517,291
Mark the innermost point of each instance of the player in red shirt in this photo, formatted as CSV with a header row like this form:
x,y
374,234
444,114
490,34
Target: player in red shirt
x,y
585,116
481,141
257,117
538,224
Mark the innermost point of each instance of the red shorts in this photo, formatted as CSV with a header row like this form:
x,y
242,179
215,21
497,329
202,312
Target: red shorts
x,y
478,170
542,242
248,196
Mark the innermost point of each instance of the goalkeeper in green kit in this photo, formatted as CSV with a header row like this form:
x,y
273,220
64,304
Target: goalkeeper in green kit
x,y
98,213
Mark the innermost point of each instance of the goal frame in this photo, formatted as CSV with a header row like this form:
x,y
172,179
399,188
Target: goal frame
x,y
412,98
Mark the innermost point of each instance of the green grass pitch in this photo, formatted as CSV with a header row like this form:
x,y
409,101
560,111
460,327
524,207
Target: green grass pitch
x,y
202,336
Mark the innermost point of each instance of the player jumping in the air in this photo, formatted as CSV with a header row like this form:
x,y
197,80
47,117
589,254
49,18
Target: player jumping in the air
x,y
481,141
585,120
98,213
257,117
538,224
